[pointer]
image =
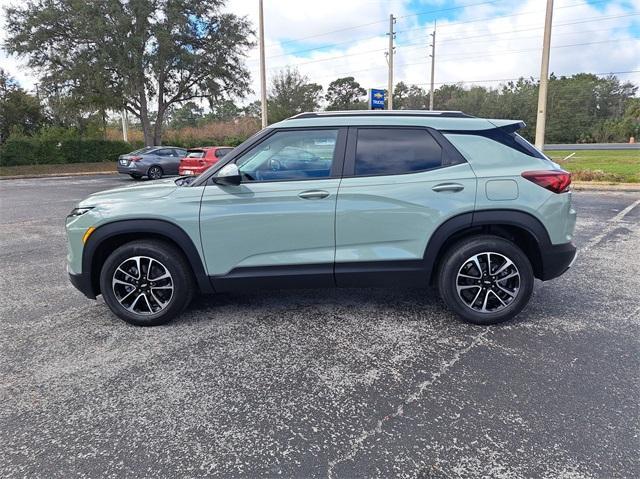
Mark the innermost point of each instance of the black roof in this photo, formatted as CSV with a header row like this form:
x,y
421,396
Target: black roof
x,y
324,114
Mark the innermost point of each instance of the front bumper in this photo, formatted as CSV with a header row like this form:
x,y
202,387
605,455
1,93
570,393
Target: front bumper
x,y
557,259
82,282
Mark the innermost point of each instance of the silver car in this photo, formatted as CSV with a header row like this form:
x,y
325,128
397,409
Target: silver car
x,y
152,161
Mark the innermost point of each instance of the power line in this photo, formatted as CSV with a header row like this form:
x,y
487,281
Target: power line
x,y
384,21
337,75
450,24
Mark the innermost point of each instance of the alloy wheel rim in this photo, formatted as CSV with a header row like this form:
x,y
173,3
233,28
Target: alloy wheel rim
x,y
142,285
154,173
488,282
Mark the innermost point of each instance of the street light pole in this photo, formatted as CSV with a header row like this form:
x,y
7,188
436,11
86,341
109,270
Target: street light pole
x,y
544,78
263,73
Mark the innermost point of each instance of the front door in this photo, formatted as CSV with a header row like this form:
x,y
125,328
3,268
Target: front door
x,y
277,227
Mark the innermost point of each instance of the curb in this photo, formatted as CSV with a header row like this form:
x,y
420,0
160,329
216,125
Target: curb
x,y
57,175
596,186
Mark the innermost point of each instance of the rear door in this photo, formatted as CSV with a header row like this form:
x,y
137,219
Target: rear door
x,y
399,185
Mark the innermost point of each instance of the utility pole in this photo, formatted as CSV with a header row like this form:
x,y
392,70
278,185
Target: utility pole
x,y
544,78
263,73
125,125
392,35
433,64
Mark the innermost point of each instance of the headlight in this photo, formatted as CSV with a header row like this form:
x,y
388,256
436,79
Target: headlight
x,y
79,211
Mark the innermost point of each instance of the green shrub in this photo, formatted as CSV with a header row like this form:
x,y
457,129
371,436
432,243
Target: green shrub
x,y
21,150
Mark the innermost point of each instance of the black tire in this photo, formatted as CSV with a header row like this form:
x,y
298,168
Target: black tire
x,y
499,292
135,177
155,173
164,255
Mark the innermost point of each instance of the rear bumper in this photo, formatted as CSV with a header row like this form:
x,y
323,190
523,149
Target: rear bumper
x,y
131,169
187,170
83,284
557,259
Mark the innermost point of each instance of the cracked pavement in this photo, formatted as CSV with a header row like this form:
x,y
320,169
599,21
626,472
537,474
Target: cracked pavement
x,y
328,383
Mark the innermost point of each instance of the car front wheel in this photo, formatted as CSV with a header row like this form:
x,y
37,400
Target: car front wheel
x,y
485,279
146,283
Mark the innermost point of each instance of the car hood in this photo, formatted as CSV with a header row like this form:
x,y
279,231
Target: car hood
x,y
143,191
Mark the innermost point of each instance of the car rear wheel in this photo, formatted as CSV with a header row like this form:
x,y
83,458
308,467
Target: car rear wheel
x,y
154,173
485,279
146,283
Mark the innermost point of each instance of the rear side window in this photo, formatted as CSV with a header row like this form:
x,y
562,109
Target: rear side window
x,y
395,151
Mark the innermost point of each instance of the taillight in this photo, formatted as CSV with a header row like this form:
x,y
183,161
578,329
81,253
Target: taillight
x,y
557,181
135,158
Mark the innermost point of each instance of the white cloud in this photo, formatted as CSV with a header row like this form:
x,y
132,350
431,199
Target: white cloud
x,y
511,27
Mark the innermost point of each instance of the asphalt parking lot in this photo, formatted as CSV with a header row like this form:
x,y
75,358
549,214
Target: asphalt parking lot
x,y
342,384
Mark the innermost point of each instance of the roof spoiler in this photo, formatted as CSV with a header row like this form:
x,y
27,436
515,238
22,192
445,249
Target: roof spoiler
x,y
508,126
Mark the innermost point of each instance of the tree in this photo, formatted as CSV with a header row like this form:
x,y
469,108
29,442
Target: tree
x,y
18,109
409,97
224,110
292,93
187,115
141,55
345,94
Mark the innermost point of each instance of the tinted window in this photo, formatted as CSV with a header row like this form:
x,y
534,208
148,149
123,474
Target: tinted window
x,y
164,152
290,155
394,151
220,152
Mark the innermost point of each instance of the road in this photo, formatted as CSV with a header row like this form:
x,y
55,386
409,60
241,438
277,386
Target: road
x,y
341,384
593,146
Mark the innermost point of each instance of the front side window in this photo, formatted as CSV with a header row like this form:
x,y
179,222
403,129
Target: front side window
x,y
395,151
290,155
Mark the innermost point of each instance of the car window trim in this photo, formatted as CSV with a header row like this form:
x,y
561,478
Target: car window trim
x,y
450,155
336,164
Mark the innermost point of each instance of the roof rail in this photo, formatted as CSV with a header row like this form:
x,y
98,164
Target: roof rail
x,y
426,113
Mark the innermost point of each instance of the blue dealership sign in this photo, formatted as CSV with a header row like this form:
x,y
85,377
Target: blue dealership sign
x,y
376,99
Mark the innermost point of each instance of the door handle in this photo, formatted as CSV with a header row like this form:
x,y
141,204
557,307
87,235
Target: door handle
x,y
448,187
313,194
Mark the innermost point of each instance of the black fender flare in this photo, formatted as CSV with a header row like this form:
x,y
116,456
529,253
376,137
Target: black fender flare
x,y
158,228
478,219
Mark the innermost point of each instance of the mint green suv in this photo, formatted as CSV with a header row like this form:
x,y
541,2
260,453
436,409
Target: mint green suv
x,y
337,199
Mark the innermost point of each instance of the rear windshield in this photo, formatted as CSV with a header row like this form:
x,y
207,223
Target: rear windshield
x,y
195,154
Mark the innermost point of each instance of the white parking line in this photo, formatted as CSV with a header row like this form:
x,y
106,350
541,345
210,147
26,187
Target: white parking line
x,y
610,226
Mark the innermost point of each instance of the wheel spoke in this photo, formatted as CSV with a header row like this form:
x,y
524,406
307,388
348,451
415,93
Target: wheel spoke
x,y
512,294
506,264
499,298
461,275
486,298
509,276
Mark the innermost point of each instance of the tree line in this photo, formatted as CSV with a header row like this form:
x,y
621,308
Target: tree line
x,y
176,64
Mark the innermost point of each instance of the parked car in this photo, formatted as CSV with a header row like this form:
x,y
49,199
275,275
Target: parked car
x,y
343,199
153,162
199,159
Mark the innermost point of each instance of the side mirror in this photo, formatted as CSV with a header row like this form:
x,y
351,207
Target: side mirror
x,y
228,175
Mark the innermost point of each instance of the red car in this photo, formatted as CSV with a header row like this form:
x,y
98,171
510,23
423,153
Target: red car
x,y
199,159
